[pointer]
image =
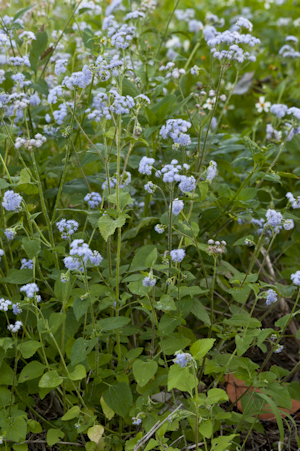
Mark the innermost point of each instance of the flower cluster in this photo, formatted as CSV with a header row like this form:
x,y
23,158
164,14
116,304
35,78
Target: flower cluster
x,y
31,290
29,144
12,201
176,129
80,256
67,227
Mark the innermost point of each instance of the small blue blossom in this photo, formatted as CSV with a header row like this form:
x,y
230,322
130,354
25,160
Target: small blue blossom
x,y
26,264
16,309
296,278
149,281
93,199
211,171
136,421
271,297
177,206
10,234
274,218
30,289
67,227
159,228
187,184
11,201
288,224
145,166
182,359
177,255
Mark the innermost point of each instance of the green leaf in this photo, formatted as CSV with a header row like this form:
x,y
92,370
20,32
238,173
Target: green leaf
x,y
222,442
18,276
276,412
108,412
31,247
113,323
51,379
29,348
88,38
247,194
31,371
22,11
206,428
171,345
7,374
216,395
41,87
166,303
54,436
2,138
72,413
107,225
119,398
144,371
200,348
37,48
80,307
181,378
95,433
81,349
139,260
34,426
5,396
78,374
4,184
124,199
199,311
129,89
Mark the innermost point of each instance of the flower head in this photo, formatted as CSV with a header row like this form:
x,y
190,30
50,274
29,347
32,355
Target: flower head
x,y
11,201
177,255
262,105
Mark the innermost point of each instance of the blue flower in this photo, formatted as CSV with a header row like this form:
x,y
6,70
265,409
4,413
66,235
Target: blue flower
x,y
177,255
12,201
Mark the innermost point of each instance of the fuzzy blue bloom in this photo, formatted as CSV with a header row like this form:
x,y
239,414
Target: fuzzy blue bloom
x,y
30,290
11,201
271,297
67,227
177,206
182,359
145,166
10,234
93,199
149,281
296,278
26,264
177,255
274,218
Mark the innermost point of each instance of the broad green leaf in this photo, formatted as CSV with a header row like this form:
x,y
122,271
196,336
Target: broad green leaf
x,y
72,413
200,312
166,303
78,374
95,433
7,374
139,260
51,379
22,11
171,345
108,412
206,428
124,199
29,348
108,225
32,370
181,378
80,307
200,348
5,396
54,436
18,276
119,398
31,247
113,323
144,371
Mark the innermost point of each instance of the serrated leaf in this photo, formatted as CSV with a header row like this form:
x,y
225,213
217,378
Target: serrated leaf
x,y
108,225
200,348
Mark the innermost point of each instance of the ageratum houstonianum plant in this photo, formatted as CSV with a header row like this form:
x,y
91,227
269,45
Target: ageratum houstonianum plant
x,y
149,224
